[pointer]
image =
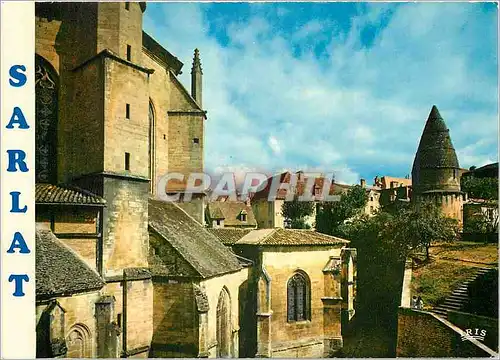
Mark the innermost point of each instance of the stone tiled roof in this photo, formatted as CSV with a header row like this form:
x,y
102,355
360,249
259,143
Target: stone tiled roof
x,y
200,248
435,149
65,194
288,237
230,211
229,236
59,270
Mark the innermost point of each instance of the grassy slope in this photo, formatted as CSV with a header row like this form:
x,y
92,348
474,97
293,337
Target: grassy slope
x,y
450,265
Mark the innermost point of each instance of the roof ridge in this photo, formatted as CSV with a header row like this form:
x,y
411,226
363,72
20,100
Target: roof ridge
x,y
320,233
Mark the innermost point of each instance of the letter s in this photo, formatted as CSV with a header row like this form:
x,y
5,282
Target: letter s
x,y
16,72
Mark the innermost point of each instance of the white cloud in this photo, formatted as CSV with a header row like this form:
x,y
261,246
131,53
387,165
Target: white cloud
x,y
274,144
360,112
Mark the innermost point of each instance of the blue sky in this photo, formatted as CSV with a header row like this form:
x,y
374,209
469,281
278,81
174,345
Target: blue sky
x,y
342,87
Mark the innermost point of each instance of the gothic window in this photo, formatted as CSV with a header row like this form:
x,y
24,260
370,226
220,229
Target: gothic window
x,y
78,342
299,298
151,148
224,325
46,108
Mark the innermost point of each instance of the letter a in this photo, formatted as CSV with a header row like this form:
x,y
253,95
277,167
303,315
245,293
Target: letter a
x,y
17,118
18,242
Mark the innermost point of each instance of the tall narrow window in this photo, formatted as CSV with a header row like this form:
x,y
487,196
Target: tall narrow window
x,y
129,53
127,111
127,5
151,150
127,161
298,298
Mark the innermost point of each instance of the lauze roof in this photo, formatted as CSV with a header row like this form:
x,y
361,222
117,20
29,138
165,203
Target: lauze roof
x,y
277,237
201,249
59,270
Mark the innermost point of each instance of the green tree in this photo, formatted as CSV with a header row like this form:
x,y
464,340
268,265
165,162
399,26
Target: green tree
x,y
331,216
482,222
480,188
409,229
296,211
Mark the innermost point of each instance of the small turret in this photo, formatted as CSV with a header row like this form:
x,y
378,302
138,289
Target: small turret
x,y
196,78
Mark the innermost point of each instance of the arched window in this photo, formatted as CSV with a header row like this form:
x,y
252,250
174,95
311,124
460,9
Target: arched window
x,y
299,297
151,147
46,93
224,325
78,342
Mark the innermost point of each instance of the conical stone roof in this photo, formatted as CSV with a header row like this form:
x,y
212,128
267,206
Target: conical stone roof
x,y
436,165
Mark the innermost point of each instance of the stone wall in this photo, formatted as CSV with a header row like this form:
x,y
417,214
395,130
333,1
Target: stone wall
x,y
79,313
126,238
470,321
213,287
304,338
268,214
423,334
159,98
71,224
185,155
82,127
175,320
124,86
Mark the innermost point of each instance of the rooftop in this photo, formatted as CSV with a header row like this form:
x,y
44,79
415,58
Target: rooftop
x,y
199,247
59,270
65,195
277,237
230,211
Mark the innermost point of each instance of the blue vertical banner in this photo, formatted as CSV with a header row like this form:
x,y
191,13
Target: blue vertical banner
x,y
17,181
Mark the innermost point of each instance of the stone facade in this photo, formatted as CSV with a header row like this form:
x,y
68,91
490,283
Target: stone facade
x,y
119,119
278,321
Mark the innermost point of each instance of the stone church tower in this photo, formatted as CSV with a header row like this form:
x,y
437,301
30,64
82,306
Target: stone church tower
x,y
436,172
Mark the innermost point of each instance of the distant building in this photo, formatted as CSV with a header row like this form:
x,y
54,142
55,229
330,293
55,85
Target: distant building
x,y
230,214
268,213
373,198
389,182
490,170
436,172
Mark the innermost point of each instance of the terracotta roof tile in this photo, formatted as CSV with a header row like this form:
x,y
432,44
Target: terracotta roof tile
x,y
65,194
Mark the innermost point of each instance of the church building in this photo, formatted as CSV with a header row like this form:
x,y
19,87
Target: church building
x,y
119,272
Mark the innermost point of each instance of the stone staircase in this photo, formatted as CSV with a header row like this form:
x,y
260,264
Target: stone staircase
x,y
459,297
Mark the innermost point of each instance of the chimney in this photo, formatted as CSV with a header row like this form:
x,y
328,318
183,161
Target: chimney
x,y
363,183
196,78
